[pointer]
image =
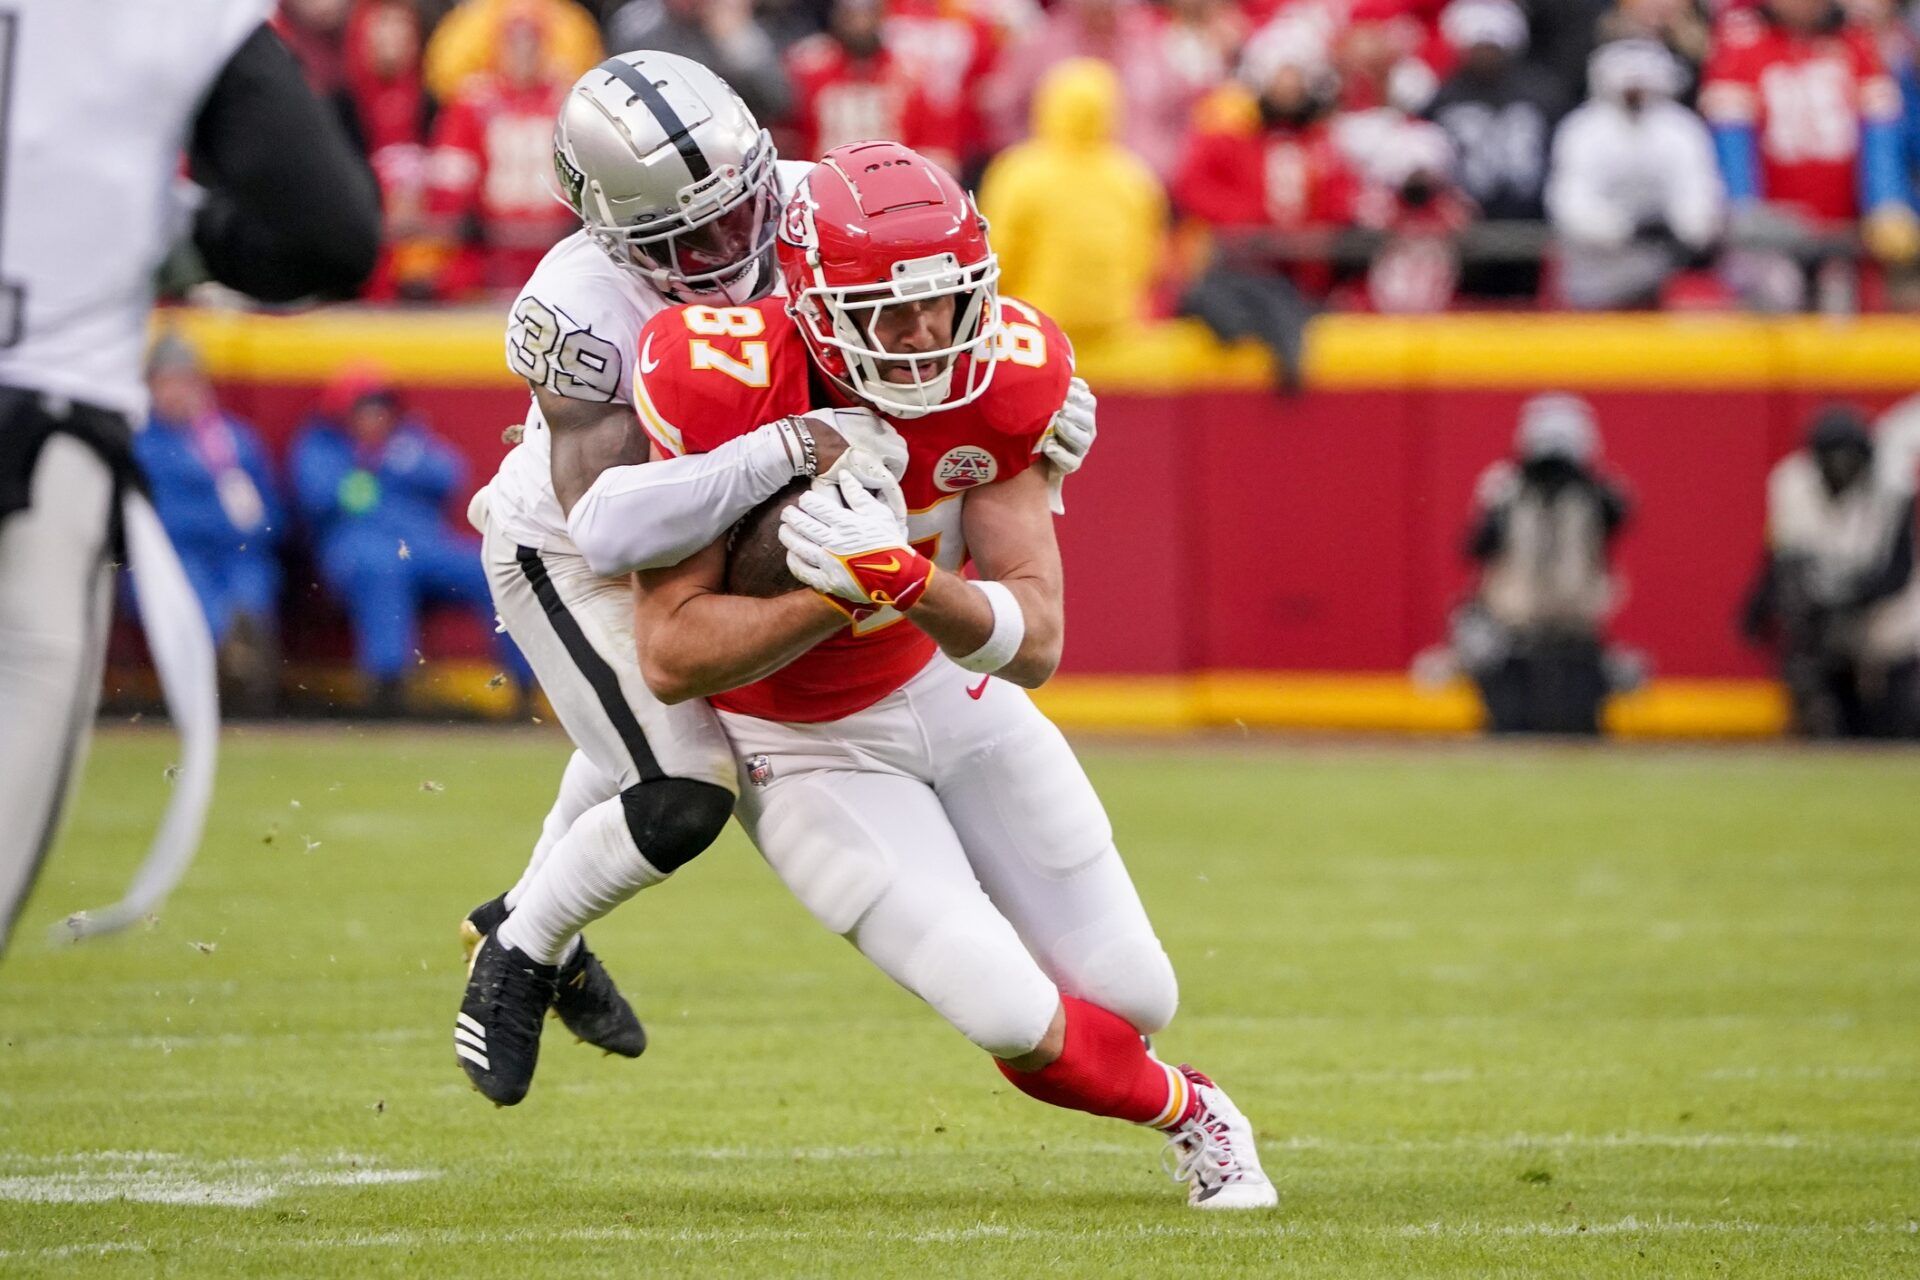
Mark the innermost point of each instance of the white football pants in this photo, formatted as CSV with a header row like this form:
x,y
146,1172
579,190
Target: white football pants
x,y
957,843
576,630
56,601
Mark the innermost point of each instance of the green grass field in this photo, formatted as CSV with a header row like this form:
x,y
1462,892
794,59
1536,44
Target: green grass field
x,y
1494,1013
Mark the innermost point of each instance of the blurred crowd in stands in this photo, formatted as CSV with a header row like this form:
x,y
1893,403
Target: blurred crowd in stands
x,y
1249,162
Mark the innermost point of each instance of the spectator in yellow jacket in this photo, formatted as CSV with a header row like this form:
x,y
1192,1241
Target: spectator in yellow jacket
x,y
1078,220
465,41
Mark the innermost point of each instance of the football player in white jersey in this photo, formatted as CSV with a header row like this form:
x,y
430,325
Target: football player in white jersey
x,y
678,189
104,96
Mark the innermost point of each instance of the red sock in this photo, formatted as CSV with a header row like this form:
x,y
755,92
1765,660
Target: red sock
x,y
1105,1069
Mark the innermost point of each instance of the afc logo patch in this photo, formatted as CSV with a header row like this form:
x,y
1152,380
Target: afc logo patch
x,y
965,466
759,770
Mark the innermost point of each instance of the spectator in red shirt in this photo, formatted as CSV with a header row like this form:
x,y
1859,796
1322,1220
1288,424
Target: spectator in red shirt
x,y
492,163
382,74
1378,54
848,86
1269,171
1806,120
952,51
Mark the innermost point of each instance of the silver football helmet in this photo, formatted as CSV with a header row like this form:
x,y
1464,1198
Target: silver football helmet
x,y
672,176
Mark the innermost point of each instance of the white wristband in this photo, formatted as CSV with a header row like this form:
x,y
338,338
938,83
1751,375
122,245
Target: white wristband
x,y
1009,629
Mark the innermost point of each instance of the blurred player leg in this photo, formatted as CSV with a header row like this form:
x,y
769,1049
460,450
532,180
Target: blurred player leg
x,y
56,597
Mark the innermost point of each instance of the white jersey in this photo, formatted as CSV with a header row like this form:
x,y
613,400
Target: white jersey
x,y
99,98
574,331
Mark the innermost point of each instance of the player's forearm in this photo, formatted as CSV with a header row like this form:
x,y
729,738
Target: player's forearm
x,y
709,643
960,618
659,513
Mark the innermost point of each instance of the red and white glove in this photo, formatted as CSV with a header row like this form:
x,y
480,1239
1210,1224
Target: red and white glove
x,y
852,548
1068,438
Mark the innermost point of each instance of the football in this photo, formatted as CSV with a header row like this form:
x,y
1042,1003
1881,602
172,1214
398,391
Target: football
x,y
756,562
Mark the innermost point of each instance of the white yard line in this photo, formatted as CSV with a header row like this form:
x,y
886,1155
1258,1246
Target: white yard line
x,y
153,1177
1630,1226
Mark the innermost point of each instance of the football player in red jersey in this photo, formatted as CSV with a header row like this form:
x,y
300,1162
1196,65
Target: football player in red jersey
x,y
918,806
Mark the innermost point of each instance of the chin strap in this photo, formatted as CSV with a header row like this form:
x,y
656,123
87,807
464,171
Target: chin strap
x,y
182,649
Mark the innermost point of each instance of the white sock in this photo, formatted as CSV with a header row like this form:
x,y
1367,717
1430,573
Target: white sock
x,y
582,786
592,869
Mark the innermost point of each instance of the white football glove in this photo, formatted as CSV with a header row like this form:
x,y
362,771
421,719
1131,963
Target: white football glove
x,y
849,544
1069,438
872,474
866,432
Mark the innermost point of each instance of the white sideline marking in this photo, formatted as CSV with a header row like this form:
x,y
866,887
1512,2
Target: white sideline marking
x,y
1310,1142
1210,1228
156,1177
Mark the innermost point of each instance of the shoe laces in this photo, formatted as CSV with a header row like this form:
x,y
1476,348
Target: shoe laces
x,y
1202,1149
520,985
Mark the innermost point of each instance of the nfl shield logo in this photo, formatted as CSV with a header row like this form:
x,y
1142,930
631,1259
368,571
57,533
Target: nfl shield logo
x,y
759,770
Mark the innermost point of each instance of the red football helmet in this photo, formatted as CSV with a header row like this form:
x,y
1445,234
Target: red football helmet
x,y
876,225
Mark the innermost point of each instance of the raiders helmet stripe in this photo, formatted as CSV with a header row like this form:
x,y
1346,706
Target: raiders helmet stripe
x,y
676,129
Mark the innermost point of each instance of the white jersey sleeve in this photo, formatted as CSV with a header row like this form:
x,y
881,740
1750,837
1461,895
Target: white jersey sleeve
x,y
572,331
100,98
575,331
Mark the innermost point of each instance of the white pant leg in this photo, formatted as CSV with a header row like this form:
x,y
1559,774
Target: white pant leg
x,y
56,600
576,630
1040,842
582,786
868,850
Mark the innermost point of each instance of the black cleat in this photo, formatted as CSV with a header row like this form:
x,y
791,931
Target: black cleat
x,y
588,1003
593,1009
497,1031
479,924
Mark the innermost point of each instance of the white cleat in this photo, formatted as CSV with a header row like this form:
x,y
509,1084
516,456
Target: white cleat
x,y
1213,1154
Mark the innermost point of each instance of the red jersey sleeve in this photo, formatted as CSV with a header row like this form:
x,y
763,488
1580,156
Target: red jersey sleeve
x,y
705,375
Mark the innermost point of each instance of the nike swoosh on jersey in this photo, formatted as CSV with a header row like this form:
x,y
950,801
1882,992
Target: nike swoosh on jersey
x,y
974,691
647,363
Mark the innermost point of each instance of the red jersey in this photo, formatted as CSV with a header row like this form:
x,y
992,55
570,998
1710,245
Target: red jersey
x,y
950,53
1806,95
1281,179
709,374
839,98
493,161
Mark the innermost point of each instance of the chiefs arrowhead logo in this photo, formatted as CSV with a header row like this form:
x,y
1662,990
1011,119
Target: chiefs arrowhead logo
x,y
965,466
